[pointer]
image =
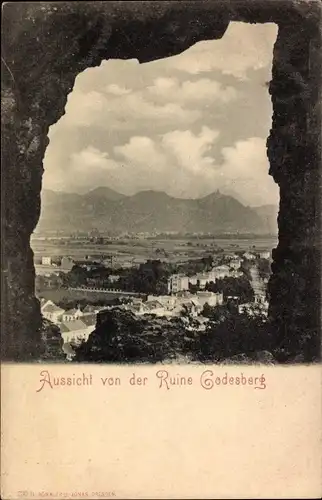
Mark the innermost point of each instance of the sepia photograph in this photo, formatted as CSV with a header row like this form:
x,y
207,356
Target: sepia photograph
x,y
161,249
158,212
158,215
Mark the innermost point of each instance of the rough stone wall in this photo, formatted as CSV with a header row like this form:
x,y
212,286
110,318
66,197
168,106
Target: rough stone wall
x,y
46,45
294,151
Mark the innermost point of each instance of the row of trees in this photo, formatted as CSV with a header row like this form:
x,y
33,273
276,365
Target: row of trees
x,y
196,266
78,276
264,268
231,287
149,278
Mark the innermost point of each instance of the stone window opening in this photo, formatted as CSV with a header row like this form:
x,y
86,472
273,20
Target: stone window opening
x,y
46,47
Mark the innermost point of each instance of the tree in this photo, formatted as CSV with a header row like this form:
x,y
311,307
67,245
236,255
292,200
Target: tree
x,y
52,341
150,278
207,262
121,337
235,334
264,268
196,266
194,288
207,310
245,267
40,283
239,287
77,277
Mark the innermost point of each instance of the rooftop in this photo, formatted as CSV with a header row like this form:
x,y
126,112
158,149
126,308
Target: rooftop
x,y
52,308
89,319
71,312
90,309
72,326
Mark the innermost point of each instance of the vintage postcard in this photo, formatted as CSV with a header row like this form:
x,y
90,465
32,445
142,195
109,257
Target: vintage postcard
x,y
161,250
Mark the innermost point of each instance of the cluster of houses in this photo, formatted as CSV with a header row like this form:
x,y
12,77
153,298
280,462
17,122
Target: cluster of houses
x,y
231,269
50,265
181,282
185,305
174,305
74,324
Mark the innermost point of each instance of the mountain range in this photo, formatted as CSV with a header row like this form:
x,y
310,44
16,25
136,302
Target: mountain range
x,y
148,211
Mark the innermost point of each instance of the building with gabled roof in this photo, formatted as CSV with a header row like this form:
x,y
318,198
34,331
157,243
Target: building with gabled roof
x,y
52,312
72,326
93,309
89,319
72,314
77,330
90,309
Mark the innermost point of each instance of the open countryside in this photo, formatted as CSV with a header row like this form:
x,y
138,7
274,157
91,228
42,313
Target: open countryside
x,y
173,288
136,250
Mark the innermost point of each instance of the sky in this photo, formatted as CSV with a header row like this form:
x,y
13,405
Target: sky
x,y
187,125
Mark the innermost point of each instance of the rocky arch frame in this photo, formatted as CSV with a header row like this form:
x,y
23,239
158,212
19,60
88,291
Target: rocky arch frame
x,y
46,45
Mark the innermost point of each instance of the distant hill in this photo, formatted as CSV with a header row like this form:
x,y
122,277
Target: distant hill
x,y
149,211
104,192
268,214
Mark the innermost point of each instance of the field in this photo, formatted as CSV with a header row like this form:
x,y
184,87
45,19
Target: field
x,y
135,251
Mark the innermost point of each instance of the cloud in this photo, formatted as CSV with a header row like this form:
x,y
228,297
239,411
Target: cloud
x,y
91,157
171,162
143,109
192,91
189,149
115,89
244,172
88,163
174,124
122,110
246,158
181,163
82,109
243,47
141,150
180,148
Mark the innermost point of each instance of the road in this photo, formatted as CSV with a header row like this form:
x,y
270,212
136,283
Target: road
x,y
257,283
